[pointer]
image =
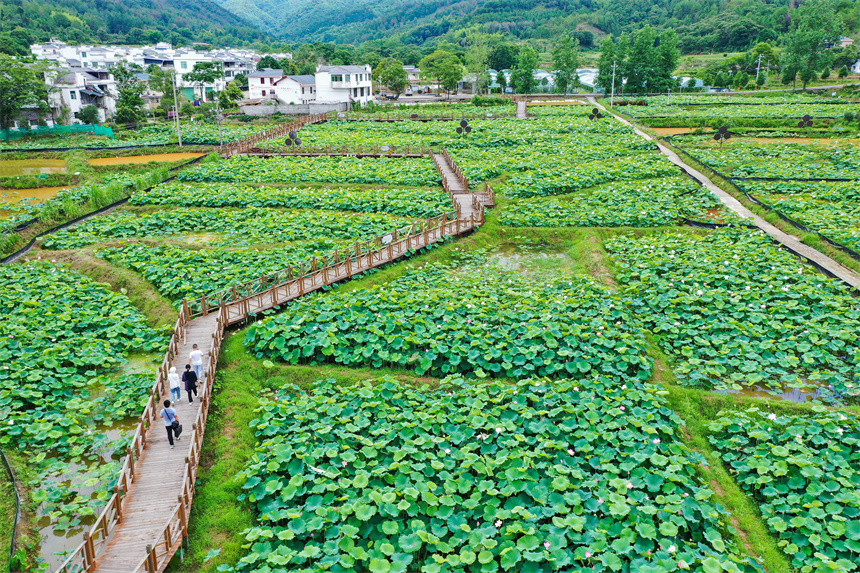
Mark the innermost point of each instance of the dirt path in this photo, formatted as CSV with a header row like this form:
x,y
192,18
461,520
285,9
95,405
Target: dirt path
x,y
790,241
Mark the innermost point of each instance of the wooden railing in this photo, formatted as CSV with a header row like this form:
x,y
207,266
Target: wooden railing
x,y
83,558
452,116
487,197
246,143
255,296
165,544
356,150
457,171
351,260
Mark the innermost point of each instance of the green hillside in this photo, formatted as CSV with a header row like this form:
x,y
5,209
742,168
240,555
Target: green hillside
x,y
702,25
23,22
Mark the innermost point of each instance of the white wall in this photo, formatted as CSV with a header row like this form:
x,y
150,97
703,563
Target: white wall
x,y
328,91
289,91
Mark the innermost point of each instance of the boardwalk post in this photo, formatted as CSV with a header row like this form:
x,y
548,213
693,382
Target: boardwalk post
x,y
89,552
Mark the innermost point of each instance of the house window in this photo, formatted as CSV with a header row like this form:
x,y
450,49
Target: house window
x,y
73,95
303,91
264,92
83,54
338,78
184,65
262,81
347,77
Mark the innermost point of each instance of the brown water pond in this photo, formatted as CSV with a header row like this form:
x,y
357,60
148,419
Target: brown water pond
x,y
157,158
18,167
677,130
35,195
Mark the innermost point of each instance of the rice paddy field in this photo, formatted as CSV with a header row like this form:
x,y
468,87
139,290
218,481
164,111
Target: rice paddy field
x,y
614,373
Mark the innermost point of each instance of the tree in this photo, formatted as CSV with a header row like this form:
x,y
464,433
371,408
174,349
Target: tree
x,y
130,89
51,73
502,81
451,71
814,27
434,66
204,73
20,88
477,55
605,64
229,96
268,62
89,114
566,58
523,76
825,73
843,72
390,73
502,57
644,61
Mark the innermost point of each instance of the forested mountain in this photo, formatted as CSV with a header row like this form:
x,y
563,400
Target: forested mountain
x,y
702,25
23,22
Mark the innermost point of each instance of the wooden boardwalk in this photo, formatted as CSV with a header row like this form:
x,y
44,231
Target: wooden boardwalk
x,y
146,520
819,259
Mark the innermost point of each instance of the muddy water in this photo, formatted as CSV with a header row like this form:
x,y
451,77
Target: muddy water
x,y
18,167
797,395
158,158
35,195
676,130
525,258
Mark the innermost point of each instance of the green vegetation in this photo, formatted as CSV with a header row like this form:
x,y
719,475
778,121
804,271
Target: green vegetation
x,y
466,318
64,344
233,227
734,311
125,21
404,202
643,203
384,171
802,470
385,486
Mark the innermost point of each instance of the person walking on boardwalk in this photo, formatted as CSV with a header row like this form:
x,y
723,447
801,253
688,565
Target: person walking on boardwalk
x,y
171,422
195,359
175,390
190,379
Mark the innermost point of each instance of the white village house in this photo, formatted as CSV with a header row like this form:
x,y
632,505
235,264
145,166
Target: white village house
x,y
330,84
80,87
296,89
344,84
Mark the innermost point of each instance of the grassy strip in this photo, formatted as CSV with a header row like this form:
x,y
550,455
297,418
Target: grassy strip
x,y
7,516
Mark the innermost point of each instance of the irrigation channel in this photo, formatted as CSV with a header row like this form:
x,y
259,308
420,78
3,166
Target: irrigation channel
x,y
817,258
145,522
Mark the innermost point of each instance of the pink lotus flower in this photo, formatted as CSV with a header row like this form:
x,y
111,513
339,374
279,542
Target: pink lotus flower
x,y
587,554
546,544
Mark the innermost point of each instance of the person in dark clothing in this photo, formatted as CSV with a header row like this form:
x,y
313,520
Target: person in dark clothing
x,y
171,421
190,379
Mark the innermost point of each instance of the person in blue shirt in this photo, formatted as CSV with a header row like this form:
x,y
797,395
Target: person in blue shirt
x,y
171,422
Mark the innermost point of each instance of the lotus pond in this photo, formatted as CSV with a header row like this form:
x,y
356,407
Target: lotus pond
x,y
803,471
529,476
407,202
733,310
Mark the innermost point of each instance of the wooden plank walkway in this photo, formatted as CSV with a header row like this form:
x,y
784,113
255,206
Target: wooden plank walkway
x,y
158,481
146,520
815,256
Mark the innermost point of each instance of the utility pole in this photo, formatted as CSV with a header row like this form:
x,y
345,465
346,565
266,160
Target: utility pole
x,y
758,67
612,95
176,107
667,95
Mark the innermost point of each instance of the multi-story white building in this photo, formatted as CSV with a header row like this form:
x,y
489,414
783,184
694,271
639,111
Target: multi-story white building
x,y
344,83
77,88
